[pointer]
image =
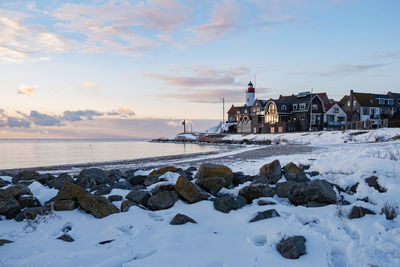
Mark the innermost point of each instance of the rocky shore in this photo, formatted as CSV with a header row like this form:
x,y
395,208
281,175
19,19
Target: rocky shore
x,y
161,188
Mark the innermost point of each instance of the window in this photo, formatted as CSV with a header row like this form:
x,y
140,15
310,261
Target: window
x,y
314,106
365,110
272,109
283,107
302,117
335,110
348,104
330,118
381,101
302,106
390,101
295,106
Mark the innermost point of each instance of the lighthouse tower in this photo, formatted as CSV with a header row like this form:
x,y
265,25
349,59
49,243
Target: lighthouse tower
x,y
250,94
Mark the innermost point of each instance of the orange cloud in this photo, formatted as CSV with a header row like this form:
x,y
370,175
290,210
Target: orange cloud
x,y
26,90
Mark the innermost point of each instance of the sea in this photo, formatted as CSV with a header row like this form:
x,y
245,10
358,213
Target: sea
x,y
37,153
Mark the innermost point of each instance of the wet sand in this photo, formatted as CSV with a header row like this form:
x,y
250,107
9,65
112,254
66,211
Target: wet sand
x,y
223,156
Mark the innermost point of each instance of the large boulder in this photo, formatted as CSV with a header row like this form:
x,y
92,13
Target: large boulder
x,y
103,190
98,206
227,203
358,212
66,204
292,247
180,219
262,215
140,196
282,189
211,185
137,180
70,191
31,213
18,190
294,173
26,175
126,204
90,177
240,178
252,192
214,170
28,202
113,198
125,185
316,191
58,182
9,206
150,179
162,200
164,170
189,191
273,171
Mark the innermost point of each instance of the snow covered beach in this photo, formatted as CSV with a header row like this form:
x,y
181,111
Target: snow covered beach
x,y
144,237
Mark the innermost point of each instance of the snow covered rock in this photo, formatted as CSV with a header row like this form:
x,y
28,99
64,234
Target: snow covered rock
x,y
5,241
240,178
227,203
31,213
9,206
373,182
139,196
162,200
180,219
113,198
294,173
3,183
126,204
18,190
312,193
60,181
262,215
211,185
214,170
252,192
98,206
189,191
137,180
283,189
292,247
66,238
358,212
273,171
28,202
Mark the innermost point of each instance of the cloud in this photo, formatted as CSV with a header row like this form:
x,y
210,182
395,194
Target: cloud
x,y
174,124
90,85
10,121
42,119
20,42
224,18
27,90
81,115
351,69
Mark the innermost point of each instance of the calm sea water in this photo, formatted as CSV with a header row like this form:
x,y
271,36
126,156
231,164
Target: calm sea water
x,y
35,153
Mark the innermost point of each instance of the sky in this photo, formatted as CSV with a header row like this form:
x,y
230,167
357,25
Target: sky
x,y
135,69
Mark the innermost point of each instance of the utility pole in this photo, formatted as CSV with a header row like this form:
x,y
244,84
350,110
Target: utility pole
x,y
223,110
311,109
184,125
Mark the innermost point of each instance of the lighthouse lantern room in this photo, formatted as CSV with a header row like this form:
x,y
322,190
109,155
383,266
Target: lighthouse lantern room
x,y
250,94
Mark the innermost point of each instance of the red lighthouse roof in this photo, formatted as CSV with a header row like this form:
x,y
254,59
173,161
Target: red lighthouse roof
x,y
251,88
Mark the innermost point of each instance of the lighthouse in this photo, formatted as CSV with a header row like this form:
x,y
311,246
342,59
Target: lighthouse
x,y
250,94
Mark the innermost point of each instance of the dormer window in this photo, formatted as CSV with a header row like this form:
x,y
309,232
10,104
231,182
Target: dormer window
x,y
302,106
284,107
294,106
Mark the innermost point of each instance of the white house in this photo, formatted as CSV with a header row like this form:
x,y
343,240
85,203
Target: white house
x,y
334,117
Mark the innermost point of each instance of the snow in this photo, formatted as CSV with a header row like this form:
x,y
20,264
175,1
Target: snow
x,y
145,238
42,193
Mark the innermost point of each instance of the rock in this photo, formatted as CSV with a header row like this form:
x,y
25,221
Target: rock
x,y
252,192
123,185
45,178
240,178
113,198
31,213
162,200
9,206
60,181
5,241
294,173
105,190
162,187
71,191
3,183
114,176
211,185
214,170
149,180
140,196
191,169
106,242
137,180
18,190
25,175
163,170
262,202
189,191
126,204
319,191
180,219
259,179
98,206
282,189
313,173
262,215
227,203
338,187
358,212
292,247
66,238
67,204
352,189
90,177
373,182
273,171
28,202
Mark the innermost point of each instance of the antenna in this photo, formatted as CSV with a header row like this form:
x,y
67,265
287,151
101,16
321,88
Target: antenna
x,y
223,109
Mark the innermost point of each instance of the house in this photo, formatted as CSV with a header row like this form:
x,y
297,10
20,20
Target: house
x,y
396,99
257,116
334,117
302,112
232,114
244,120
361,107
386,105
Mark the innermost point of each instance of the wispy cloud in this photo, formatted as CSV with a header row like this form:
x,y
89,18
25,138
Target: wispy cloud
x,y
351,69
90,85
122,112
79,115
27,90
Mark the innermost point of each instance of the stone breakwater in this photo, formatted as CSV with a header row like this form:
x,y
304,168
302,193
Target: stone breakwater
x,y
162,188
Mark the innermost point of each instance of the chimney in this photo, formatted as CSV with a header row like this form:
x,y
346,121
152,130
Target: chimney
x,y
351,99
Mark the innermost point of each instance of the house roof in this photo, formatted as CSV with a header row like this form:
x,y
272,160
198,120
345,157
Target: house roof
x,y
365,99
233,110
330,105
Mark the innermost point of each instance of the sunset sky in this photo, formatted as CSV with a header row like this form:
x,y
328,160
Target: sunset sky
x,y
126,69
